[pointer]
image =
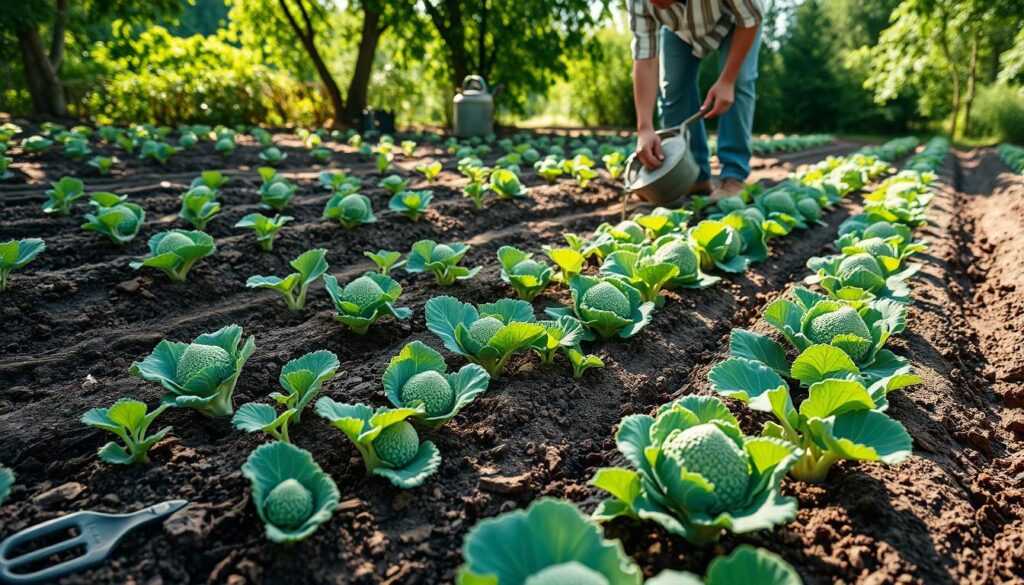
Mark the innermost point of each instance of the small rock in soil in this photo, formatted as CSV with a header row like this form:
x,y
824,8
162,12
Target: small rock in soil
x,y
188,526
59,495
505,485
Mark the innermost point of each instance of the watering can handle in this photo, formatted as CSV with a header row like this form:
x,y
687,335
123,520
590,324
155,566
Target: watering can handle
x,y
633,164
470,80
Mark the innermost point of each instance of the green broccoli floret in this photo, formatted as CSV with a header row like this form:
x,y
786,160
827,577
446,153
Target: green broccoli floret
x,y
483,330
433,389
528,268
198,357
876,247
571,573
605,297
706,450
441,253
362,291
288,505
680,255
172,241
842,321
634,230
862,261
354,206
397,444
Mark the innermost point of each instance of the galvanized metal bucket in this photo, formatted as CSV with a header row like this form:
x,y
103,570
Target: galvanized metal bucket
x,y
677,173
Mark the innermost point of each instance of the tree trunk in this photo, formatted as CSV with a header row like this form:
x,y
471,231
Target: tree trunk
x,y
43,84
358,88
955,77
307,37
481,41
972,71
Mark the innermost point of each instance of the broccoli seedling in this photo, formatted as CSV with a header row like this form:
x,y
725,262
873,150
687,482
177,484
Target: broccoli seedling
x,y
129,420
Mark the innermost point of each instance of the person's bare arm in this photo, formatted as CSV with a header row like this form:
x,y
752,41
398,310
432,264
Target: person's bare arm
x,y
645,92
722,93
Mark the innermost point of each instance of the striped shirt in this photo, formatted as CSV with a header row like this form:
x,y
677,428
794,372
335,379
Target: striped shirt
x,y
702,24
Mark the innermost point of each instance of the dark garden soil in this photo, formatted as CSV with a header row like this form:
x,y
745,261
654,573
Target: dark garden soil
x,y
75,319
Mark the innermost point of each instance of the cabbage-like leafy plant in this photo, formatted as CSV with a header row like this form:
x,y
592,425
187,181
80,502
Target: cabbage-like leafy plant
x,y
718,245
411,204
351,210
266,228
860,233
276,194
746,565
340,183
76,149
608,307
696,473
201,374
417,376
310,265
566,333
384,161
129,420
301,379
320,155
568,260
476,191
554,545
273,155
644,271
389,444
408,147
5,162
506,184
114,217
430,171
225,146
262,136
62,197
441,260
362,302
176,251
581,167
862,277
198,207
6,482
615,163
677,251
157,151
810,318
841,418
292,494
394,184
487,335
385,260
36,144
102,164
549,168
15,254
527,276
662,221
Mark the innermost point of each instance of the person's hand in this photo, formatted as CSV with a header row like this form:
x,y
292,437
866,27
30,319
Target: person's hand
x,y
648,148
719,98
663,4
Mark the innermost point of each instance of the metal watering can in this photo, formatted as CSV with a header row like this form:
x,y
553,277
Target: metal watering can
x,y
474,108
677,173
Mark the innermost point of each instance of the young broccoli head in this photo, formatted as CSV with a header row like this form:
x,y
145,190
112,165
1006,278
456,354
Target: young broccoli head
x,y
354,206
198,357
433,389
172,241
397,444
288,505
572,572
678,254
875,247
633,229
842,321
880,229
864,261
528,268
605,297
706,450
441,253
362,291
483,330
780,202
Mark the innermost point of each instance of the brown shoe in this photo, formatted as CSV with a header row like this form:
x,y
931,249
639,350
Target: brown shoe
x,y
726,188
701,188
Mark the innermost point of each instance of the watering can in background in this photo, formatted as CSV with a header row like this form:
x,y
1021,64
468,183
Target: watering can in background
x,y
474,108
677,173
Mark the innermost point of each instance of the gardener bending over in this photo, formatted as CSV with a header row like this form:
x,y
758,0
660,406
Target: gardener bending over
x,y
689,30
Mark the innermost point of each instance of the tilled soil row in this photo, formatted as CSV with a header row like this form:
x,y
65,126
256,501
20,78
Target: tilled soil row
x,y
953,512
535,432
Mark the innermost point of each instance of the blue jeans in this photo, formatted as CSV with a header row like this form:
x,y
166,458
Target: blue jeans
x,y
680,97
